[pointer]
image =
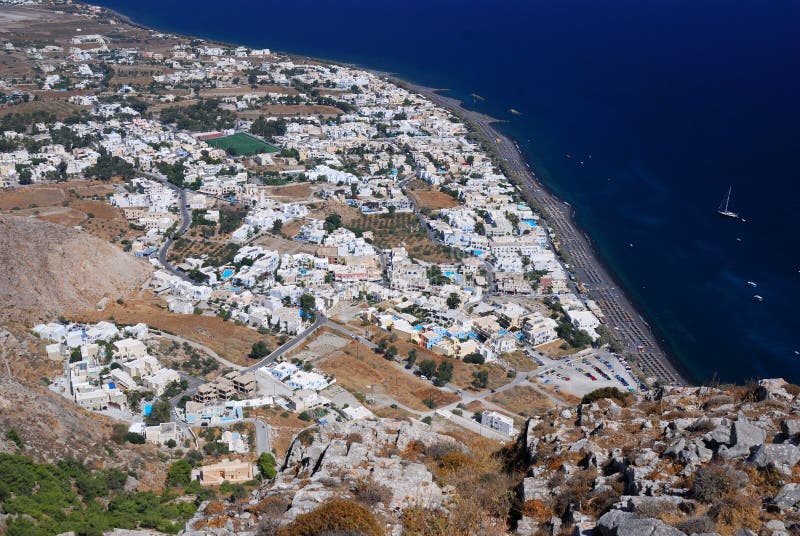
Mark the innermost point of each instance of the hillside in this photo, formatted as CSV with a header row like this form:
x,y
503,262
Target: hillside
x,y
675,462
47,269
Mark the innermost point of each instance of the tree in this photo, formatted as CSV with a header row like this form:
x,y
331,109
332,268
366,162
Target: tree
x,y
171,443
266,464
453,300
179,474
383,344
480,379
444,372
332,222
75,355
391,352
412,356
474,358
25,176
427,367
259,350
277,225
307,302
159,412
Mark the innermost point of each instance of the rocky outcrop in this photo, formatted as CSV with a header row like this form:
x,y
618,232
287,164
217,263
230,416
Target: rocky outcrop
x,y
370,461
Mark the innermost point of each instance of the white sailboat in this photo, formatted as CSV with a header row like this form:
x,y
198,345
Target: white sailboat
x,y
723,207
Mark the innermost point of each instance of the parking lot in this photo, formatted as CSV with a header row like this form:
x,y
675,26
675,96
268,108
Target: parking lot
x,y
584,372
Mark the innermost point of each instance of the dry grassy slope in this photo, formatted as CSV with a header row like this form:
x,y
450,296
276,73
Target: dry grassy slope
x,y
46,269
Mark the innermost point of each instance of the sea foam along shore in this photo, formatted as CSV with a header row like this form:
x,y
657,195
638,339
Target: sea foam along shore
x,y
574,245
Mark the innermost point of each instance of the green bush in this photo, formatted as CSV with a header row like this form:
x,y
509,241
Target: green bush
x,y
13,436
604,392
179,474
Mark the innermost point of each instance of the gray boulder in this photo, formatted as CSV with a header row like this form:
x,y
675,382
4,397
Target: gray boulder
x,y
747,435
788,496
780,456
618,523
790,428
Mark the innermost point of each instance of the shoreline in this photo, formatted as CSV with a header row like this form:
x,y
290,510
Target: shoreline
x,y
591,271
574,245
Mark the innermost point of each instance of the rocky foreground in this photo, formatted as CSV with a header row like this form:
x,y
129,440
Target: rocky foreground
x,y
679,461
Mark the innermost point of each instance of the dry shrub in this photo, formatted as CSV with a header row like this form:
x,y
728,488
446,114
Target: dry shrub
x,y
696,525
371,493
452,461
767,480
269,511
576,488
718,400
601,501
354,438
792,389
337,515
214,508
537,510
462,520
735,513
413,451
715,482
271,506
659,509
437,451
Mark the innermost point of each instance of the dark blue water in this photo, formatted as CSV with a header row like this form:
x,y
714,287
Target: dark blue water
x,y
674,101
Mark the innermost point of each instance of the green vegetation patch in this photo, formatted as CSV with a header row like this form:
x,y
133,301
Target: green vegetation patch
x,y
68,496
242,144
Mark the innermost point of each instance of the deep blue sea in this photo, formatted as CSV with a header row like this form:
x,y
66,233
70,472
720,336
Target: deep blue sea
x,y
675,101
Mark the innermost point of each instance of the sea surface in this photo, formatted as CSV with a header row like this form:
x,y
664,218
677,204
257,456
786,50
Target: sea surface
x,y
662,104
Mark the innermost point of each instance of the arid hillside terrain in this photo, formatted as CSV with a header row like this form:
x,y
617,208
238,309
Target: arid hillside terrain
x,y
46,269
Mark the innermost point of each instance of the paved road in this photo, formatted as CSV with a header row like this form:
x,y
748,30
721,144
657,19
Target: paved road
x,y
186,221
297,339
575,245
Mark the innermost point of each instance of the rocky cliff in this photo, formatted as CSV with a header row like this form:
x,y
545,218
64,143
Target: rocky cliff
x,y
673,462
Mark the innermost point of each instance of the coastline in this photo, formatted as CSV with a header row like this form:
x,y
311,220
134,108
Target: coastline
x,y
574,245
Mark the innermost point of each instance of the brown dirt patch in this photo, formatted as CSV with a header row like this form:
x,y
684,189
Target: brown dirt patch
x,y
554,350
290,110
429,198
290,192
522,399
70,203
31,196
520,361
370,374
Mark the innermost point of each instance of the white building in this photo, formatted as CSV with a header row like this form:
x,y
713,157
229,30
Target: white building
x,y
500,423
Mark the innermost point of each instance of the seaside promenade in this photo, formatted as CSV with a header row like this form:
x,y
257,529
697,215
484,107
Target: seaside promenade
x,y
574,245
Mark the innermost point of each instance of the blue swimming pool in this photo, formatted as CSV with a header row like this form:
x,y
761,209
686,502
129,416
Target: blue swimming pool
x,y
227,273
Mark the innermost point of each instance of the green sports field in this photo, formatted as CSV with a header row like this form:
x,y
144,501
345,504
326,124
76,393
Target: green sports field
x,y
242,144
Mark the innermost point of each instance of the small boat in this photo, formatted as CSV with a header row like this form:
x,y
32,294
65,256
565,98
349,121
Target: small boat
x,y
567,155
758,298
752,284
723,209
738,239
